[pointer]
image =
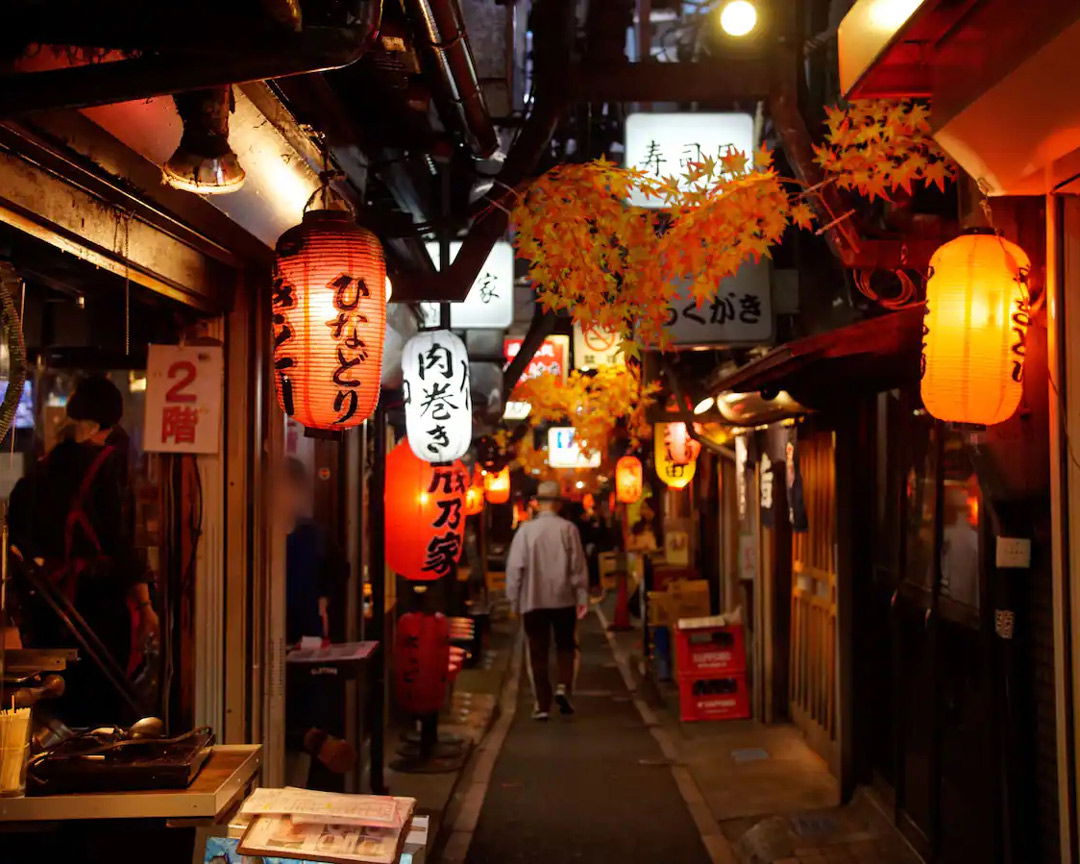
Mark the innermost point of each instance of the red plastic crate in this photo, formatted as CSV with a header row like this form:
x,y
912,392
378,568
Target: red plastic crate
x,y
713,697
710,650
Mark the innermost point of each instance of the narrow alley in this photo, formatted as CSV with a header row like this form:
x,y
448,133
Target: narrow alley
x,y
539,431
593,786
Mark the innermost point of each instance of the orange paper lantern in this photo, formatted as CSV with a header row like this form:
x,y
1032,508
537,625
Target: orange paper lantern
x,y
425,515
474,500
629,480
497,486
976,322
329,305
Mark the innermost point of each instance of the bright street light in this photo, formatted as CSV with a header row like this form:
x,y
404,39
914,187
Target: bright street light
x,y
738,17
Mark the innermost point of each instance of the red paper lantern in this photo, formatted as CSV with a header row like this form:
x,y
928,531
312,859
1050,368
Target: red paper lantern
x,y
421,662
629,479
329,302
497,486
425,515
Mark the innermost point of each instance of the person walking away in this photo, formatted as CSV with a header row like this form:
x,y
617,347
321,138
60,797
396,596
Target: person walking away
x,y
68,517
547,583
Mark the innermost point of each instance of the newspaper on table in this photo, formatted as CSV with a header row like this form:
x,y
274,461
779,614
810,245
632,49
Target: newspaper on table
x,y
326,826
307,805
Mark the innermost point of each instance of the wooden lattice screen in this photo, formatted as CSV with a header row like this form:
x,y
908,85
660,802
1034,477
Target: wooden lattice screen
x,y
813,600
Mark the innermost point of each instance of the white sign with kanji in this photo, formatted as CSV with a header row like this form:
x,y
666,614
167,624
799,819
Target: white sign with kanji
x,y
595,347
565,452
664,144
183,399
491,299
739,313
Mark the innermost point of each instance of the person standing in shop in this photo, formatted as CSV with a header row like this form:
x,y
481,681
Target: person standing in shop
x,y
69,518
547,582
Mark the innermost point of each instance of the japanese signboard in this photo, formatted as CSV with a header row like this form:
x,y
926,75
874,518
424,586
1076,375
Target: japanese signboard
x,y
595,347
438,402
664,144
183,399
739,313
553,356
794,482
491,299
565,452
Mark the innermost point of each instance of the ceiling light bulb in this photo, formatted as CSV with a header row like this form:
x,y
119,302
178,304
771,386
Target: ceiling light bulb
x,y
738,18
704,405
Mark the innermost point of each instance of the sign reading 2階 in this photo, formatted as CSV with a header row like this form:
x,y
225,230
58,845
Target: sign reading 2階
x,y
183,399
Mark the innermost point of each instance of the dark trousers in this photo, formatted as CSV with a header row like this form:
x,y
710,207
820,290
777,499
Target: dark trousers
x,y
539,625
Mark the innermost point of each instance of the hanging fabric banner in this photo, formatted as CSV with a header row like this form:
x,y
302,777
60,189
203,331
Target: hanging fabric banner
x,y
796,502
438,403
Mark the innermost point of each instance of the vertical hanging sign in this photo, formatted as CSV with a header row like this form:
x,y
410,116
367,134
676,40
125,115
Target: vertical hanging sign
x,y
796,501
183,399
438,402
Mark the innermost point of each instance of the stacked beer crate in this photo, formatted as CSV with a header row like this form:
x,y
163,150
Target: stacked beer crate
x,y
710,658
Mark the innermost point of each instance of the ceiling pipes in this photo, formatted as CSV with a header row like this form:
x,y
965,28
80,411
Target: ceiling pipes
x,y
442,35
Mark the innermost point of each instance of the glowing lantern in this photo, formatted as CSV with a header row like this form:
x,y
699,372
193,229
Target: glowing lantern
x,y
497,486
474,500
629,479
425,507
682,447
675,472
976,321
438,405
329,320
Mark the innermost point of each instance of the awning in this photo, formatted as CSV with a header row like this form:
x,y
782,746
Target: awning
x,y
870,356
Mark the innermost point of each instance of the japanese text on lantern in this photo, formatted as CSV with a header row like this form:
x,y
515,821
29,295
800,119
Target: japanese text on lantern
x,y
347,345
183,399
438,402
444,547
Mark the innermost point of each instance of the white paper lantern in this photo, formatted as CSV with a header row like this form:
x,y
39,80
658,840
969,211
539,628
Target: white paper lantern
x,y
438,404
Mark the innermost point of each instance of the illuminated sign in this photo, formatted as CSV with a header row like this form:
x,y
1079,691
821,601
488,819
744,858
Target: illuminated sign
x,y
664,144
491,299
565,452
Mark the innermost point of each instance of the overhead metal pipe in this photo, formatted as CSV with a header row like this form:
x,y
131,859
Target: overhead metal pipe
x,y
443,36
554,32
274,55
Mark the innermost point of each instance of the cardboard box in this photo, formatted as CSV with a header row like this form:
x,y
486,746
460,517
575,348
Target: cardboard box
x,y
682,599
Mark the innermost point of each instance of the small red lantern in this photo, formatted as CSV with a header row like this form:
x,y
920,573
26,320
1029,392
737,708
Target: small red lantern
x,y
421,662
329,305
425,505
629,479
497,486
474,499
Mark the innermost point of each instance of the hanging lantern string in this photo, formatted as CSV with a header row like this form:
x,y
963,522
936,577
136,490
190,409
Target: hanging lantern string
x,y
1022,273
328,176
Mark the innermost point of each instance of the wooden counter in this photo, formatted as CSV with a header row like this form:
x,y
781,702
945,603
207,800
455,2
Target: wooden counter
x,y
227,775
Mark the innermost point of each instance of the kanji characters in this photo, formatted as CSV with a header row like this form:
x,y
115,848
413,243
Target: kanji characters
x,y
179,422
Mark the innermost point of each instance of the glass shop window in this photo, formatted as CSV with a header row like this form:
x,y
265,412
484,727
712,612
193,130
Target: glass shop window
x,y
961,514
920,495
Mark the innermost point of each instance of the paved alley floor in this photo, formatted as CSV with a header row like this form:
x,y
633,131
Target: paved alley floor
x,y
594,787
